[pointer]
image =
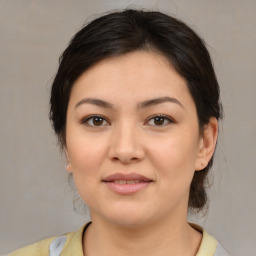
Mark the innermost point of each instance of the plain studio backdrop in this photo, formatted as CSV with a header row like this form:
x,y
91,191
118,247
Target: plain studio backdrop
x,y
36,200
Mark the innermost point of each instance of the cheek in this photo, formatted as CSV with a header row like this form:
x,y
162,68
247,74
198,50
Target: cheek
x,y
85,152
86,158
175,156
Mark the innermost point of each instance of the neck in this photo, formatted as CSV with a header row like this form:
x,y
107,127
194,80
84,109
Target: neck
x,y
163,238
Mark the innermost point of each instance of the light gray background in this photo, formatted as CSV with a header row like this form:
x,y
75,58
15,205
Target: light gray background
x,y
35,199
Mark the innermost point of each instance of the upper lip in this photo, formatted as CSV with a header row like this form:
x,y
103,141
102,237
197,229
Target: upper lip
x,y
129,176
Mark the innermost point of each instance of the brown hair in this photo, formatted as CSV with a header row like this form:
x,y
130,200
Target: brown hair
x,y
122,32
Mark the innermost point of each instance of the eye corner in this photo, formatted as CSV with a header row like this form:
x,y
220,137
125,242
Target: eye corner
x,y
164,117
85,121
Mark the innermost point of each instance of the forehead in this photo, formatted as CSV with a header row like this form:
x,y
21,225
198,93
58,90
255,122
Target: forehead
x,y
134,76
138,64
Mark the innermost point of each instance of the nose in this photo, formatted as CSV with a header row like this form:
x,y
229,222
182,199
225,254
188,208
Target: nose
x,y
126,145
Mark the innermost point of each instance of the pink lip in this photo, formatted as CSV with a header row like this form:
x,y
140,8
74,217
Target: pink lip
x,y
129,176
126,189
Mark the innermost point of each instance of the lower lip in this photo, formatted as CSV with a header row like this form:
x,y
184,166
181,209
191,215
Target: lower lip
x,y
127,189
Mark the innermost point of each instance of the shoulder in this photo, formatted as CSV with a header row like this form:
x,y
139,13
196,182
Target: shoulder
x,y
36,249
209,245
220,251
67,244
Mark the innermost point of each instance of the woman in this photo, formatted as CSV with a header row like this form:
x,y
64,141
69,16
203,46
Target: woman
x,y
135,106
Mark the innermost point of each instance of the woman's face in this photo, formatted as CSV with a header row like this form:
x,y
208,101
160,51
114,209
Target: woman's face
x,y
132,139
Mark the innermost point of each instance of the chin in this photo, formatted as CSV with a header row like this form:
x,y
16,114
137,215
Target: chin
x,y
129,222
123,215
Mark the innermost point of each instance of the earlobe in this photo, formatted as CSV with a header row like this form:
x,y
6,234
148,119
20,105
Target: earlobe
x,y
68,167
68,164
207,144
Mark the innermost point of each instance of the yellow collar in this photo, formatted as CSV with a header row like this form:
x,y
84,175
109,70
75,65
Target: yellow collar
x,y
208,244
74,242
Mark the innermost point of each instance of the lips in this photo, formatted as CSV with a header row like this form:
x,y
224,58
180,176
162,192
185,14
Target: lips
x,y
126,177
126,184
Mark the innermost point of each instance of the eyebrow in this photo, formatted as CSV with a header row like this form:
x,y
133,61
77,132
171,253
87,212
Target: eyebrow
x,y
141,105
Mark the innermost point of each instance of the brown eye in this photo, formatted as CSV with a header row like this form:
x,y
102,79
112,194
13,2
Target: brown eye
x,y
160,120
95,121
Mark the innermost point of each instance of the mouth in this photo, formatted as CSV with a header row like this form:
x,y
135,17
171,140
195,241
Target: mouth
x,y
126,184
126,181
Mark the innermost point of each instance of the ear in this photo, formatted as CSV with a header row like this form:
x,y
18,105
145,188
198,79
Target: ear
x,y
68,164
207,144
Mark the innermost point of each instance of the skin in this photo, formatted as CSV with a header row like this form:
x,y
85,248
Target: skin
x,y
129,139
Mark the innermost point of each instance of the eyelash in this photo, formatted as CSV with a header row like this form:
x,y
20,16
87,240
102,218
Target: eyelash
x,y
87,119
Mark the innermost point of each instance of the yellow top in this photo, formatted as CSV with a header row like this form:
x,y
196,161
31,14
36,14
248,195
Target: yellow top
x,y
71,244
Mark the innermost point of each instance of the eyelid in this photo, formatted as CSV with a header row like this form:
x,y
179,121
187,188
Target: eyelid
x,y
170,120
87,118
